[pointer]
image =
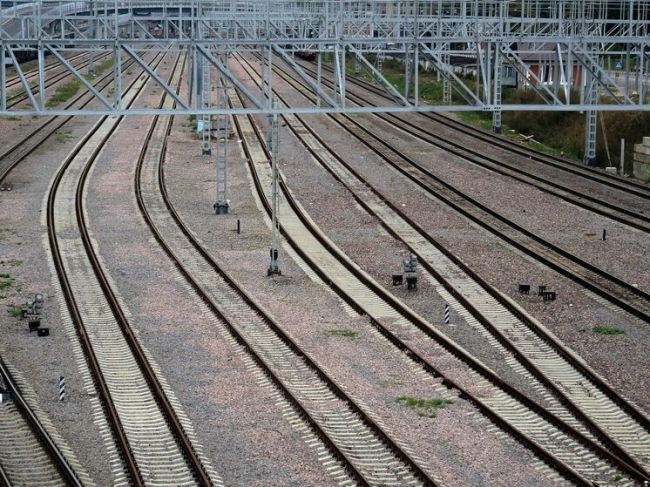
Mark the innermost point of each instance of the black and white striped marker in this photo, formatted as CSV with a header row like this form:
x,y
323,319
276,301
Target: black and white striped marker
x,y
61,388
446,314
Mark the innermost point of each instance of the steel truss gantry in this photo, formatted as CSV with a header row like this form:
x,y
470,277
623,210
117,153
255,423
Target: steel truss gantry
x,y
553,47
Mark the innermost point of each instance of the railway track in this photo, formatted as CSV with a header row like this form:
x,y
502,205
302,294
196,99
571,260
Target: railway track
x,y
29,454
33,73
14,154
618,292
20,97
518,169
154,442
576,386
303,132
362,451
617,182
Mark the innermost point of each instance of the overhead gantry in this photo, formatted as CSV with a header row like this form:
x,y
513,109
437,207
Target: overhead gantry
x,y
552,47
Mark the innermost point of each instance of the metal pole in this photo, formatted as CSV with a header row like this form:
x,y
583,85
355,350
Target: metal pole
x,y
407,73
222,205
275,136
206,119
3,80
117,75
496,115
41,77
91,51
319,77
622,157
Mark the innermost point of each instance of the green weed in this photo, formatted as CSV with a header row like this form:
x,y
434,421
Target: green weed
x,y
14,311
608,330
63,137
63,93
427,408
342,333
5,283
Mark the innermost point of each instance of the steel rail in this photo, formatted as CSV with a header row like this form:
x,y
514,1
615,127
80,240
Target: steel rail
x,y
52,124
508,304
4,478
275,327
619,182
33,73
93,362
591,203
18,98
615,181
303,413
150,375
560,466
622,294
622,459
54,452
503,340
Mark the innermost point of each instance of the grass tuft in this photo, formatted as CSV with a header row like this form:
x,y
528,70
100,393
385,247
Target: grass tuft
x,y
608,330
427,408
14,311
63,137
5,275
342,333
5,283
63,93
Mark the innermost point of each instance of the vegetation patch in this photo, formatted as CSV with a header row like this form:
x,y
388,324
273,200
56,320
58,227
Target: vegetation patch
x,y
101,67
14,311
608,330
5,283
5,275
63,93
342,333
63,137
427,408
554,133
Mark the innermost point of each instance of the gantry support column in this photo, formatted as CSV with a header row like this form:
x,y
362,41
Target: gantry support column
x,y
591,98
274,140
407,73
446,84
206,121
497,88
222,204
3,80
